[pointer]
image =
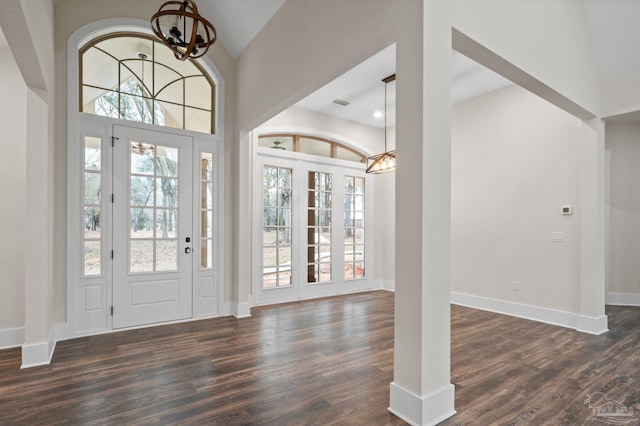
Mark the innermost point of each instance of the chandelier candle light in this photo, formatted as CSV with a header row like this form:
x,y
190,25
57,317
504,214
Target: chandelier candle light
x,y
385,162
183,30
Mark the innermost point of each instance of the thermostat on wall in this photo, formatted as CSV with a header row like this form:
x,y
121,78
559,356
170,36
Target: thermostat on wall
x,y
567,210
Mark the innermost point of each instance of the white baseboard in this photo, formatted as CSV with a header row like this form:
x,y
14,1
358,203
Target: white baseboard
x,y
623,299
241,310
535,313
422,411
11,338
385,285
36,354
591,325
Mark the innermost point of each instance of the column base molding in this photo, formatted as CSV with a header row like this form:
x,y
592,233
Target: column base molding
x,y
422,411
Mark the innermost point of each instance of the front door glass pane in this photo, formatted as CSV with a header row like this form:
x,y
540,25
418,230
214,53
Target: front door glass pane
x,y
153,206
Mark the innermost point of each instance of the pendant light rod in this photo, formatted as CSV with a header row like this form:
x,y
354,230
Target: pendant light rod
x,y
386,81
385,162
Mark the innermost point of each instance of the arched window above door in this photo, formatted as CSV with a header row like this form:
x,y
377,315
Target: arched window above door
x,y
311,145
133,77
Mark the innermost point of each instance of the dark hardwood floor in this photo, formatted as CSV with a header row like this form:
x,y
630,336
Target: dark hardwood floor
x,y
327,361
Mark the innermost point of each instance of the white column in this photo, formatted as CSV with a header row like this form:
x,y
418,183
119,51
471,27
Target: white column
x,y
242,236
592,318
39,339
421,392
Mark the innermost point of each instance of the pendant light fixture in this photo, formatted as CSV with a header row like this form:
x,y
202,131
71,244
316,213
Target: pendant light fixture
x,y
276,145
385,162
183,30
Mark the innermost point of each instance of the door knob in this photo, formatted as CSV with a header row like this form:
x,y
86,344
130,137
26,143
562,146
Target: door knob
x,y
187,250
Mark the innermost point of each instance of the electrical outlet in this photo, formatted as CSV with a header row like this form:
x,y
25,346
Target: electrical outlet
x,y
515,285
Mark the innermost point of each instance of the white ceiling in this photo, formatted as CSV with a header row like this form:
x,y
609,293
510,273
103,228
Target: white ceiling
x,y
613,26
238,21
362,86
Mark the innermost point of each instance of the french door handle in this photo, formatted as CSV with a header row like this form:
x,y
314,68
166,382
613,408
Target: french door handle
x,y
187,250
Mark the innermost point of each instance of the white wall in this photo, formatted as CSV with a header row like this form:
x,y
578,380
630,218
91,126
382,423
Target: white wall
x,y
515,164
623,142
13,145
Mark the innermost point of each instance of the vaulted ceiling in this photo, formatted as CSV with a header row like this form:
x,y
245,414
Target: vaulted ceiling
x,y
612,25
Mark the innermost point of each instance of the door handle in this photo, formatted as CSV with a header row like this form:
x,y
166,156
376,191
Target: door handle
x,y
187,250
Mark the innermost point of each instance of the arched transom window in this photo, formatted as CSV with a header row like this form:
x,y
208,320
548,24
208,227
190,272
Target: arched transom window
x,y
133,77
311,145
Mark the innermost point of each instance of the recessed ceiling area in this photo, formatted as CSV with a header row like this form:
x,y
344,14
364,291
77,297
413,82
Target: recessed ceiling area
x,y
363,88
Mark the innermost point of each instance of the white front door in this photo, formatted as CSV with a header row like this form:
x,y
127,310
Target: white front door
x,y
152,229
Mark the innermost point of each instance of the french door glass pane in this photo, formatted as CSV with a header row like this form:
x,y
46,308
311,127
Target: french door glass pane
x,y
319,228
153,204
354,227
277,228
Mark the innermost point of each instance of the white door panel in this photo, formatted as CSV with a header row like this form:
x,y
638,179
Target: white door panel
x,y
152,233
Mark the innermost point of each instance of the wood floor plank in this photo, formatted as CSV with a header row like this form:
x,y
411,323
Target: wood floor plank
x,y
320,362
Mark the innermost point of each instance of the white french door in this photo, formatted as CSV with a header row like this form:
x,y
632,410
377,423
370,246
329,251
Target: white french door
x,y
153,236
309,226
